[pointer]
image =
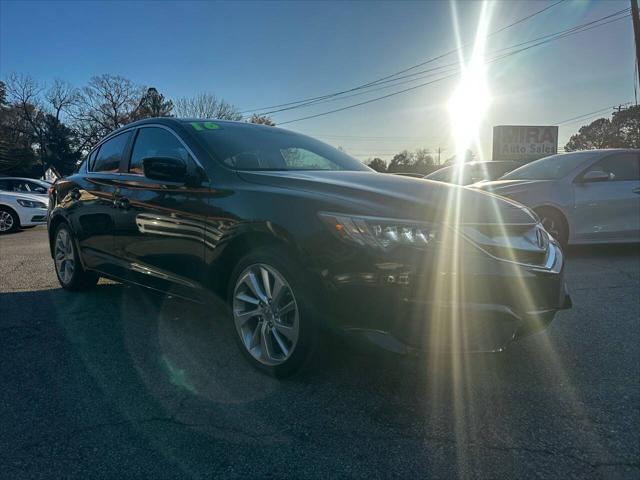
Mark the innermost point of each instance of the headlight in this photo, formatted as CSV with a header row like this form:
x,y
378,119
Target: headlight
x,y
31,204
380,233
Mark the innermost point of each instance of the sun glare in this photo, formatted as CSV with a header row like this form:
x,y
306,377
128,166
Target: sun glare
x,y
471,98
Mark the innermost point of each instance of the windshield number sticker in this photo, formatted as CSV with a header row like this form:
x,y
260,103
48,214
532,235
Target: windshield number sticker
x,y
201,126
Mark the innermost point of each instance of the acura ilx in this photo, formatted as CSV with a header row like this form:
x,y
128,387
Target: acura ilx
x,y
300,238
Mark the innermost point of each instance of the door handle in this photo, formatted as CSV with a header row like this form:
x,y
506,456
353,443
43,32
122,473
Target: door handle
x,y
636,190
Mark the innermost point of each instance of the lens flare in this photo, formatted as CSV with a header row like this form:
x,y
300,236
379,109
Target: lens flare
x,y
470,100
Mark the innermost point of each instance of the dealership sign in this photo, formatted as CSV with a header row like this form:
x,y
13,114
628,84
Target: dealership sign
x,y
524,143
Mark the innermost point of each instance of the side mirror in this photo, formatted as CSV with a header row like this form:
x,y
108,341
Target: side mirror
x,y
165,169
597,176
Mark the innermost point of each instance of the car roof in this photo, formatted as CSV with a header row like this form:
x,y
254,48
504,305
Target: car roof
x,y
169,121
600,151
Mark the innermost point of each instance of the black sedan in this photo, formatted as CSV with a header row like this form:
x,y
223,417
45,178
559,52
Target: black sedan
x,y
300,238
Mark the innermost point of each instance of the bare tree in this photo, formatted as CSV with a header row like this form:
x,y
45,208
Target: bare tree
x,y
107,102
25,94
206,105
61,97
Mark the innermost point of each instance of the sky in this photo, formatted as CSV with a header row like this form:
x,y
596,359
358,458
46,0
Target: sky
x,y
258,54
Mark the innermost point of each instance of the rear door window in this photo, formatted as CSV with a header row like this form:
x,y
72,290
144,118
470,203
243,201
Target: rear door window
x,y
110,154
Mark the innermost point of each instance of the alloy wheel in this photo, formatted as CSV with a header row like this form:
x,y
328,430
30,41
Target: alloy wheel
x,y
6,221
266,314
63,255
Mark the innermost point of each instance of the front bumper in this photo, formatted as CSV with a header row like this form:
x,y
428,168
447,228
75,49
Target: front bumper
x,y
482,305
33,216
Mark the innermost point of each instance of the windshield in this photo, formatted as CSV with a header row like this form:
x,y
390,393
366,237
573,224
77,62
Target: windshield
x,y
548,168
249,148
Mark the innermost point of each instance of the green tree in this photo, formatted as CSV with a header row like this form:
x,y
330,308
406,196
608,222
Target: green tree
x,y
377,164
60,141
621,131
625,124
18,126
598,134
153,104
401,162
423,161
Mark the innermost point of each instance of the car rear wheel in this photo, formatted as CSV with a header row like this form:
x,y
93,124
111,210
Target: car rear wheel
x,y
274,328
71,275
554,223
9,220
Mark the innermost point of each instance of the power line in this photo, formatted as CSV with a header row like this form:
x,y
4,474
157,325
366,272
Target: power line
x,y
431,60
586,115
547,39
370,90
543,39
369,101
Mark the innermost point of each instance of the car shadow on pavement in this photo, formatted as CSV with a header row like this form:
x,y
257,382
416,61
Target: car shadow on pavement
x,y
606,250
171,371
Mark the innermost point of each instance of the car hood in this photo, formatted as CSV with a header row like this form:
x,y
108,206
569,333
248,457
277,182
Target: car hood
x,y
24,196
396,196
503,187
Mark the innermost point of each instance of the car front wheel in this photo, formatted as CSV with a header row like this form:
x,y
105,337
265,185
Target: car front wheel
x,y
274,327
71,275
554,223
9,221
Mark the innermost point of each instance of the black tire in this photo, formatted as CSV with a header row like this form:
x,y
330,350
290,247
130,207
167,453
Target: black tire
x,y
8,215
80,279
308,332
554,222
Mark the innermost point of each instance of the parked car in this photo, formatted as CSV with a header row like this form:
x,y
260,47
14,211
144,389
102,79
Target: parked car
x,y
409,174
300,238
30,186
590,196
19,210
472,172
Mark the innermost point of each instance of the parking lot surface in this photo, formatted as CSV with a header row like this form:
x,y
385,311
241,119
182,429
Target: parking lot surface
x,y
121,382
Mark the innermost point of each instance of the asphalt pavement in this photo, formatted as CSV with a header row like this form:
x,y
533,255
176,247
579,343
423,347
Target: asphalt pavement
x,y
121,383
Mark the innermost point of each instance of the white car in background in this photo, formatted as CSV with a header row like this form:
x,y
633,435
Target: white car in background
x,y
30,186
591,196
20,210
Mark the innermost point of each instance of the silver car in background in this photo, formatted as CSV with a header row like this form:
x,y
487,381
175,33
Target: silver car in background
x,y
472,172
591,196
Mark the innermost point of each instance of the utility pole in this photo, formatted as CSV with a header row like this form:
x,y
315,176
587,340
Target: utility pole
x,y
636,31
